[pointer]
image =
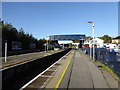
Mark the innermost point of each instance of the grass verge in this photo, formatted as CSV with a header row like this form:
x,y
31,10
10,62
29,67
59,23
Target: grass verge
x,y
108,69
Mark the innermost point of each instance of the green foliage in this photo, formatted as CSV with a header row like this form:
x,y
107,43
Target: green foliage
x,y
106,38
10,34
107,69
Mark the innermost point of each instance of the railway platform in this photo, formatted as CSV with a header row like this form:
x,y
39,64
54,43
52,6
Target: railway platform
x,y
18,59
74,70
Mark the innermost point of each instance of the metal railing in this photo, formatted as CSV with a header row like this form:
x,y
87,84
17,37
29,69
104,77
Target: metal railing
x,y
107,57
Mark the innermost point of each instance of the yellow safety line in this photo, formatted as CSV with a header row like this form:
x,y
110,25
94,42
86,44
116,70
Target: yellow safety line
x,y
8,61
20,62
57,85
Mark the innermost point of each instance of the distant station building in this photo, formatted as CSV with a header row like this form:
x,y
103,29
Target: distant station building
x,y
97,42
66,40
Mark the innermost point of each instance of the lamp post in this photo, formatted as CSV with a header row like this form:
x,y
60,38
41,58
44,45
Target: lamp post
x,y
47,42
6,51
82,41
45,47
93,40
90,51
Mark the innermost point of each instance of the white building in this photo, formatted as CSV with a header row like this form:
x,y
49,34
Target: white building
x,y
98,42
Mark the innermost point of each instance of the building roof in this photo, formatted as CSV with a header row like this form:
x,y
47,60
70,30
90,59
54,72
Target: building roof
x,y
116,38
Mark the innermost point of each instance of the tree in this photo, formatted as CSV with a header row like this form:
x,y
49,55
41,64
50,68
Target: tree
x,y
10,34
106,38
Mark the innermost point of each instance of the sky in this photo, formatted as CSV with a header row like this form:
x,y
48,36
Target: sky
x,y
42,19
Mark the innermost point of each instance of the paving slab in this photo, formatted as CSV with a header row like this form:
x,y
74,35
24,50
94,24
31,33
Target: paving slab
x,y
83,73
60,71
81,76
77,71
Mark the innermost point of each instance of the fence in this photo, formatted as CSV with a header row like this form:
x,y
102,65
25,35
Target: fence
x,y
107,57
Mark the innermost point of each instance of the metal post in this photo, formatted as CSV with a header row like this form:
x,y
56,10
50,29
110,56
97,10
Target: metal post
x,y
63,45
47,45
93,40
82,42
6,51
90,51
47,42
93,43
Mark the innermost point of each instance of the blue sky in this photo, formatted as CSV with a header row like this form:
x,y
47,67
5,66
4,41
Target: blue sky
x,y
48,18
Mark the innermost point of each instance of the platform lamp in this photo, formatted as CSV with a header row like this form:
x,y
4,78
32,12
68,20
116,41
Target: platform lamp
x,y
93,39
47,42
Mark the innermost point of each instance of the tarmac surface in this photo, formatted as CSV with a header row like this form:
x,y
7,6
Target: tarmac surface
x,y
17,59
75,70
84,73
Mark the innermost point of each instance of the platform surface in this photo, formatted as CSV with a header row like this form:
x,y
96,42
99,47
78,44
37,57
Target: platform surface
x,y
17,59
74,70
84,73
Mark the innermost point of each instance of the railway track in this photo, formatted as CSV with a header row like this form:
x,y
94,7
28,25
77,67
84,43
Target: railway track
x,y
16,77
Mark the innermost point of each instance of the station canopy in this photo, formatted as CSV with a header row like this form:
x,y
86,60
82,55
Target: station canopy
x,y
67,37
